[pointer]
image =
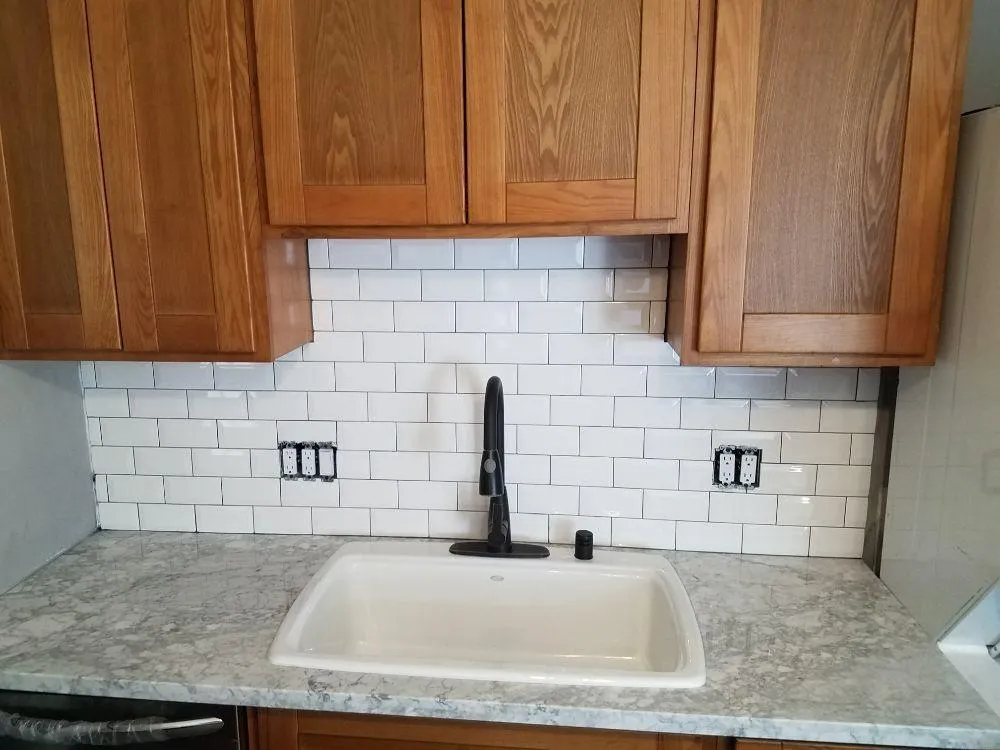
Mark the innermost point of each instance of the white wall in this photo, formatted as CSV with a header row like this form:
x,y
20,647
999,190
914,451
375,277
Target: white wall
x,y
982,73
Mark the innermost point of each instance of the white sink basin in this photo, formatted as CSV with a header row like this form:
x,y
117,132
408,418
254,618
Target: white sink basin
x,y
411,608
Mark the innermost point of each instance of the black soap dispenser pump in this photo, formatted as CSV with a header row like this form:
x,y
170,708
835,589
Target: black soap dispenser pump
x,y
584,545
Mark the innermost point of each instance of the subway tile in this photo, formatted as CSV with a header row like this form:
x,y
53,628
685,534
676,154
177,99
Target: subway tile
x,y
784,416
124,374
310,494
112,460
549,379
295,355
581,348
424,317
677,505
550,317
431,377
613,380
769,443
362,316
161,461
253,491
616,317
809,510
217,404
365,376
642,533
583,410
328,346
399,465
184,375
848,416
248,433
644,349
105,402
129,431
127,488
310,430
862,449
647,412
639,284
193,490
775,540
470,499
517,348
819,383
322,316
389,285
268,520
549,441
857,512
611,441
427,495
517,286
454,467
526,409
715,414
243,376
578,285
868,383
340,407
264,463
527,469
318,252
101,487
277,405
369,493
88,375
750,382
530,527
360,254
695,445
472,377
393,347
486,317
583,471
211,519
618,252
353,464
118,516
646,473
851,481
658,324
547,498
788,479
159,517
455,407
830,542
342,521
304,376
93,430
452,286
709,537
367,436
562,529
469,437
740,507
610,501
455,347
395,522
486,253
458,524
213,462
420,254
335,284
397,407
550,252
688,382
814,448
695,475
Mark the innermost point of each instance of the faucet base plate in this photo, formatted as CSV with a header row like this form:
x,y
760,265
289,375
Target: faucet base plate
x,y
518,550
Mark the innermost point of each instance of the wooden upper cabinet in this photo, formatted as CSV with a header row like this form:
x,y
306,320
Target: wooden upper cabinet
x,y
361,111
830,164
56,278
580,110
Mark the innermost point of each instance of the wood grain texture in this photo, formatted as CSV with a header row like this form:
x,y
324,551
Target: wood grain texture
x,y
289,302
928,171
826,158
730,173
582,200
486,111
366,204
572,89
802,333
13,334
359,91
122,183
279,118
666,112
188,333
444,136
463,231
84,176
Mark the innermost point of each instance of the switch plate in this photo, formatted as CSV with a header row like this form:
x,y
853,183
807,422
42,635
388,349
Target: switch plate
x,y
327,461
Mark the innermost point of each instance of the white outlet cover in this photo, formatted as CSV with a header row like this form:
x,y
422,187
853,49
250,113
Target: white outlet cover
x,y
289,462
308,460
727,468
748,469
327,466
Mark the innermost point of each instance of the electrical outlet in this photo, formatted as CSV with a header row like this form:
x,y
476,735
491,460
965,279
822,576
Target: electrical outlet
x,y
307,460
736,466
725,466
750,467
289,459
310,461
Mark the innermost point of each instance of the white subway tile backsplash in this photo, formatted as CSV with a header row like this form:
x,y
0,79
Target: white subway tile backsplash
x,y
124,374
88,375
548,498
578,285
525,409
157,403
166,517
397,407
472,377
603,380
687,444
779,416
459,524
456,467
277,405
740,507
581,348
486,253
183,375
769,442
517,286
431,377
367,436
562,529
644,533
676,505
342,521
118,516
640,284
427,495
517,348
691,382
94,430
399,465
304,376
424,317
868,383
369,493
452,286
806,510
646,473
548,440
815,448
214,519
843,480
365,376
328,346
646,349
359,254
775,540
611,501
531,527
616,317
584,471
105,402
217,404
561,380
254,491
365,315
396,522
242,376
788,479
193,490
318,253
353,464
618,252
322,316
304,494
715,414
455,407
282,520
393,347
550,252
212,462
749,382
848,416
133,489
419,254
611,441
163,461
313,430
338,407
264,463
334,284
857,512
112,460
550,317
695,475
696,536
831,542
455,347
818,383
124,431
583,410
389,285
862,449
528,469
647,412
247,433
486,317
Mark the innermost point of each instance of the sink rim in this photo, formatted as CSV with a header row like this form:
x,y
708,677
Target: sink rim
x,y
284,650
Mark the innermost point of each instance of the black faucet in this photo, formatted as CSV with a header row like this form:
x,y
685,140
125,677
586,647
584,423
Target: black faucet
x,y
492,484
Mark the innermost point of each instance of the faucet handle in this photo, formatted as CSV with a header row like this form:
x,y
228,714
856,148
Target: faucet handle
x,y
491,481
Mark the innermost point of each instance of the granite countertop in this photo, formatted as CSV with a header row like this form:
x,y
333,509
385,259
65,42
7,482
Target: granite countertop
x,y
798,649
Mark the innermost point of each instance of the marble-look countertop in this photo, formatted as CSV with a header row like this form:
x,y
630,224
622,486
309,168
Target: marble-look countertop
x,y
798,649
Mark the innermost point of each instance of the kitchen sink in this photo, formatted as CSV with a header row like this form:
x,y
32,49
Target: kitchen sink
x,y
411,608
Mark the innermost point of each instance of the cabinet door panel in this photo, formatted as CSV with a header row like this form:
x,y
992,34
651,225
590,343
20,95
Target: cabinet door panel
x,y
56,278
164,73
361,108
579,110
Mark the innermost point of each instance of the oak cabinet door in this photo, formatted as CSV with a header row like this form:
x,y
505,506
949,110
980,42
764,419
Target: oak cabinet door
x,y
361,111
56,278
580,110
172,87
832,137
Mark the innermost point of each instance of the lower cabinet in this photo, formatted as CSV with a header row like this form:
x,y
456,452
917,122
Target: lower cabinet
x,y
301,730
